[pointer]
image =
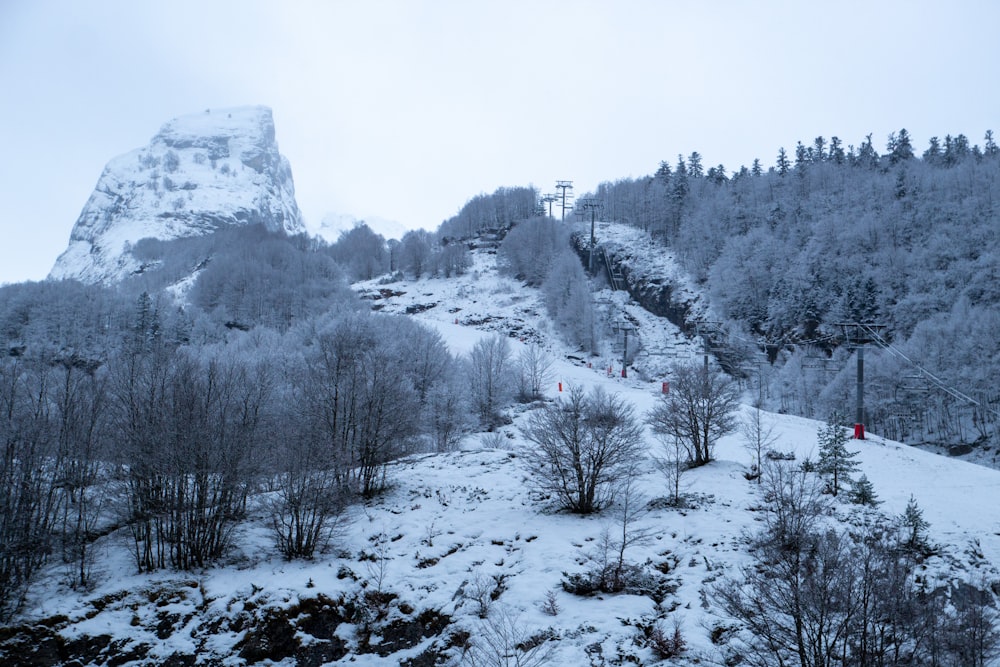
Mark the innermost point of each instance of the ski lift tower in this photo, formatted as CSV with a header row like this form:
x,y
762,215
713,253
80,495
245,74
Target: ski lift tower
x,y
549,198
623,326
592,205
858,334
708,332
564,186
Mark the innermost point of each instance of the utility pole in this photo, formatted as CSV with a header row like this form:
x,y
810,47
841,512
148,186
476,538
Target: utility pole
x,y
858,334
548,199
564,186
592,205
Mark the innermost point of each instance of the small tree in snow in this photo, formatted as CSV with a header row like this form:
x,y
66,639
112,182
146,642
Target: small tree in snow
x,y
758,436
835,462
914,525
671,461
863,492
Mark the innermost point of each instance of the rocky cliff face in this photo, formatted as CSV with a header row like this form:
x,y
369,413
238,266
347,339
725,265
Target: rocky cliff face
x,y
198,174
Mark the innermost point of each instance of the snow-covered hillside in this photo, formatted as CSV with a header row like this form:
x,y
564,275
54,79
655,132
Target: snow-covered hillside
x,y
199,173
463,531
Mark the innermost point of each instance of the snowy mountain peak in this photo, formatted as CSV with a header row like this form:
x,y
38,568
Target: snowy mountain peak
x,y
334,224
199,173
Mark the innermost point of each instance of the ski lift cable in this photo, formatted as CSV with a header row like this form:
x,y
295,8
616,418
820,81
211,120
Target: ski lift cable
x,y
935,380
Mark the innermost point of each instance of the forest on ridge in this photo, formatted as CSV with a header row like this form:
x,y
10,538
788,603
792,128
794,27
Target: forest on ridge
x,y
832,234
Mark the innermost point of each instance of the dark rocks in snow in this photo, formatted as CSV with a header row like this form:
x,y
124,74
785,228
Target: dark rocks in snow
x,y
309,632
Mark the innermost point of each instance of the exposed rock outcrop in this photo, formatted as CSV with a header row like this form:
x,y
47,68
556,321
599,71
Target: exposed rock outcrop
x,y
200,172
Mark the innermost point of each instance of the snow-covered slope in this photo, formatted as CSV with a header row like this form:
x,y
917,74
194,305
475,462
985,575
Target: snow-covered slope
x,y
200,172
463,530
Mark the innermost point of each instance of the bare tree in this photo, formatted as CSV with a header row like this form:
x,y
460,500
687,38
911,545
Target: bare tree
x,y
758,436
771,597
415,250
584,448
534,371
361,252
504,641
699,409
361,398
618,573
28,469
189,430
672,462
309,502
80,400
491,378
447,416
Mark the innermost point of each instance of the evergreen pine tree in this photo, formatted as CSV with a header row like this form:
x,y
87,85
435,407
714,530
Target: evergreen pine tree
x,y
783,165
933,153
694,165
899,147
914,524
836,152
835,461
863,492
819,153
867,155
990,149
802,158
663,173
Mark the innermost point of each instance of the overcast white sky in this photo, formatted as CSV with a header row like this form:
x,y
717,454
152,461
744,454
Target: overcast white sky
x,y
406,109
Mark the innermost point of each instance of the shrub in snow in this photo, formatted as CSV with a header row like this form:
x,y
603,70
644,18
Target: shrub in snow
x,y
583,447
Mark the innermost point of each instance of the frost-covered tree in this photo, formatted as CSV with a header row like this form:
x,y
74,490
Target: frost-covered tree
x,y
530,249
452,259
491,376
783,164
816,596
568,301
364,401
415,250
361,252
503,208
189,430
28,465
900,147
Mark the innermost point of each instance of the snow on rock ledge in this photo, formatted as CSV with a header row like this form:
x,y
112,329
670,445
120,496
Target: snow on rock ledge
x,y
201,172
